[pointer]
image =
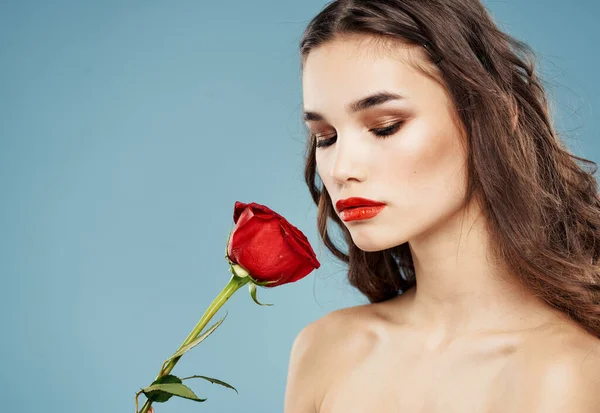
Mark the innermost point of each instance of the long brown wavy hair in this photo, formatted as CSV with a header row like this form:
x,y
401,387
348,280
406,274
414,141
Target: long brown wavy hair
x,y
542,208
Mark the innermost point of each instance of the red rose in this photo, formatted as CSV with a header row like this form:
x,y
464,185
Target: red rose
x,y
267,246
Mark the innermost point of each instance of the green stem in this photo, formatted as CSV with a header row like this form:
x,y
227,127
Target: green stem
x,y
232,286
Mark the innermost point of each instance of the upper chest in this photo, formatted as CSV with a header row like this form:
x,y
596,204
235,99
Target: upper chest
x,y
403,377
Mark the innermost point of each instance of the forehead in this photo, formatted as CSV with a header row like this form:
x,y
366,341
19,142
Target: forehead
x,y
350,67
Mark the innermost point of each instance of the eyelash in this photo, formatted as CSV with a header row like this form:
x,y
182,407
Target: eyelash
x,y
381,132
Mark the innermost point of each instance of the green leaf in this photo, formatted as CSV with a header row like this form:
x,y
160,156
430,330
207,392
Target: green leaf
x,y
212,380
252,288
156,396
158,393
197,341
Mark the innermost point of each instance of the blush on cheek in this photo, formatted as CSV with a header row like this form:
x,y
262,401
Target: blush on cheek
x,y
428,169
420,156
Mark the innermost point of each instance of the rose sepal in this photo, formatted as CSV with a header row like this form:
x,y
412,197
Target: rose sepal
x,y
252,288
239,271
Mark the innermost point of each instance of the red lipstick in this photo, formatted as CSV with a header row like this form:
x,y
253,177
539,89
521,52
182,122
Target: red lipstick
x,y
352,209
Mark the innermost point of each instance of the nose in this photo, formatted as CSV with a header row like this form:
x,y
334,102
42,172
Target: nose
x,y
349,161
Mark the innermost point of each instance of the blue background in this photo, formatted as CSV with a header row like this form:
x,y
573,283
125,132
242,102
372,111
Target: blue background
x,y
128,129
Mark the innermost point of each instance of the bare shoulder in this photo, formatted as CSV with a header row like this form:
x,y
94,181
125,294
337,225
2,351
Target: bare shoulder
x,y
566,347
559,371
340,334
321,351
350,320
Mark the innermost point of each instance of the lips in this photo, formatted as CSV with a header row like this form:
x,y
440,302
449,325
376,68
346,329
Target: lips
x,y
355,202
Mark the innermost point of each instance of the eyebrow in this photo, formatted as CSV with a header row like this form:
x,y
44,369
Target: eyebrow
x,y
375,99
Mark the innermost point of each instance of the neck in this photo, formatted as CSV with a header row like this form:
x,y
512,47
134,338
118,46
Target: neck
x,y
459,290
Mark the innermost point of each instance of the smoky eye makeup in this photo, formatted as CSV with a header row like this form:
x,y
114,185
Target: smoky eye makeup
x,y
385,131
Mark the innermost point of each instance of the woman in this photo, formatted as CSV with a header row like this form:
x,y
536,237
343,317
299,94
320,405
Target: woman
x,y
479,250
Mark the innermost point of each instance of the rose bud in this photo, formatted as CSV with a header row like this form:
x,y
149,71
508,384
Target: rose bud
x,y
268,247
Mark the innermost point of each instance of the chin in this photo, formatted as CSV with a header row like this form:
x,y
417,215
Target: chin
x,y
374,242
371,248
370,245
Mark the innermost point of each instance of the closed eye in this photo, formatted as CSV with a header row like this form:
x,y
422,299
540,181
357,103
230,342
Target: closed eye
x,y
379,132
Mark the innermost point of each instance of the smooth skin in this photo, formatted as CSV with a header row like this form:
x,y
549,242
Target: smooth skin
x,y
468,339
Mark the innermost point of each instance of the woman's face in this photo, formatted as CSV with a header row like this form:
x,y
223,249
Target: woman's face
x,y
418,171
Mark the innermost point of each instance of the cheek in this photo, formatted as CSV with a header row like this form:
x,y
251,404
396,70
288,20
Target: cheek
x,y
426,164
